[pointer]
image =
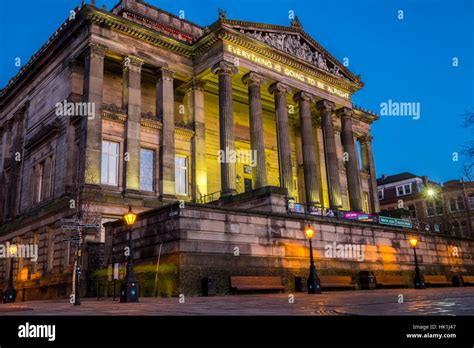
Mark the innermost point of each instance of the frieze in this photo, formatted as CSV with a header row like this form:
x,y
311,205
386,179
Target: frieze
x,y
294,45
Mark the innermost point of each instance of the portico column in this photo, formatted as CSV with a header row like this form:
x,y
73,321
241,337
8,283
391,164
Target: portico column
x,y
226,126
91,126
279,91
132,103
195,97
307,141
257,142
165,113
326,108
369,167
352,163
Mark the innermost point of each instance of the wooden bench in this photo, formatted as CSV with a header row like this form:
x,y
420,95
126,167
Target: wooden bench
x,y
256,283
467,280
436,280
390,281
336,282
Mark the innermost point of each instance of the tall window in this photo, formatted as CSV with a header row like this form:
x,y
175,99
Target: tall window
x,y
471,201
109,172
181,175
434,206
460,203
366,201
147,169
39,171
380,194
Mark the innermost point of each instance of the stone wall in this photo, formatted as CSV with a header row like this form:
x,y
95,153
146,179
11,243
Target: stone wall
x,y
219,242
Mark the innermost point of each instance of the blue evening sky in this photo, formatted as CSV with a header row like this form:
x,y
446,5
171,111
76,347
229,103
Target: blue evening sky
x,y
407,60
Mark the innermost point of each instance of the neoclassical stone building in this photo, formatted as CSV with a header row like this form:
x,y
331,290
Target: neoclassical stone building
x,y
135,106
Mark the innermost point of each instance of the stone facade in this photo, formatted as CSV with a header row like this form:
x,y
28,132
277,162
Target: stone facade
x,y
135,107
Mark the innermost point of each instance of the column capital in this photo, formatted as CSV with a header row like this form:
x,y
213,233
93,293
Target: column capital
x,y
224,67
97,49
194,85
163,73
303,96
132,63
345,112
253,79
324,105
279,88
366,138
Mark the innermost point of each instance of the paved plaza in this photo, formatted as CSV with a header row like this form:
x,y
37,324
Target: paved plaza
x,y
435,301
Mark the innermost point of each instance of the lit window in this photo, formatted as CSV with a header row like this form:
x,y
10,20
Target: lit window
x,y
109,172
181,175
147,169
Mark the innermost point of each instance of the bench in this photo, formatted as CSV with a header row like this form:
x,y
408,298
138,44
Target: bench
x,y
467,280
256,283
390,281
336,282
431,280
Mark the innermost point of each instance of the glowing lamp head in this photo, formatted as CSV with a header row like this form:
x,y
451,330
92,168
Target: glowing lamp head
x,y
13,249
130,217
413,242
430,192
309,231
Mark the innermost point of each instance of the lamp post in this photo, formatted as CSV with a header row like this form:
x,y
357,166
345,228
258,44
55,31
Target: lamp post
x,y
314,284
10,295
418,280
129,289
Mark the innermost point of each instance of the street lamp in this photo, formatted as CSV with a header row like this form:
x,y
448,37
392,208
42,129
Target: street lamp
x,y
418,280
10,295
129,289
314,284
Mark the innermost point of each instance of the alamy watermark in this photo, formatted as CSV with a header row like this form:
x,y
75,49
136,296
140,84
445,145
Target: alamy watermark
x,y
238,156
394,108
23,251
345,251
68,108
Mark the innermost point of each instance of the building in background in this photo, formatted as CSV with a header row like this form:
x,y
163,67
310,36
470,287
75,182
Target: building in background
x,y
446,208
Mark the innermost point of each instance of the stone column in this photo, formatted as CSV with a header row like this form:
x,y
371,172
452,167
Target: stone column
x,y
195,97
352,163
279,91
131,101
307,142
369,167
91,125
326,108
165,113
226,126
257,142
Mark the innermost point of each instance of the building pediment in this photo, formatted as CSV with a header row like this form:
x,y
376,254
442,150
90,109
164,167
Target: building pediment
x,y
296,42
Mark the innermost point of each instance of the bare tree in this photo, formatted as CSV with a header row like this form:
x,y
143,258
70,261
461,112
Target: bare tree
x,y
468,151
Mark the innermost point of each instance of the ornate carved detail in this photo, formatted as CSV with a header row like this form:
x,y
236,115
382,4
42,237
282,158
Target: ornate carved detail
x,y
344,112
252,78
224,67
184,125
113,108
194,85
164,74
294,45
97,49
325,105
304,97
222,13
278,88
366,139
295,23
132,63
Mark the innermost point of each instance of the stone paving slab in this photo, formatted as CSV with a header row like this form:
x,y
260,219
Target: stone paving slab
x,y
436,301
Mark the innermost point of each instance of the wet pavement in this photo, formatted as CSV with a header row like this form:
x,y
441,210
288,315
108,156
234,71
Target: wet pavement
x,y
435,301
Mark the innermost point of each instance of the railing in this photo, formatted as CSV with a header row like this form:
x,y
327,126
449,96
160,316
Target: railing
x,y
211,197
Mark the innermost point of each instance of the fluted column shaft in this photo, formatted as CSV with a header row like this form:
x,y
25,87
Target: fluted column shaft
x,y
131,96
352,163
257,142
226,127
283,137
369,166
165,112
326,108
307,141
